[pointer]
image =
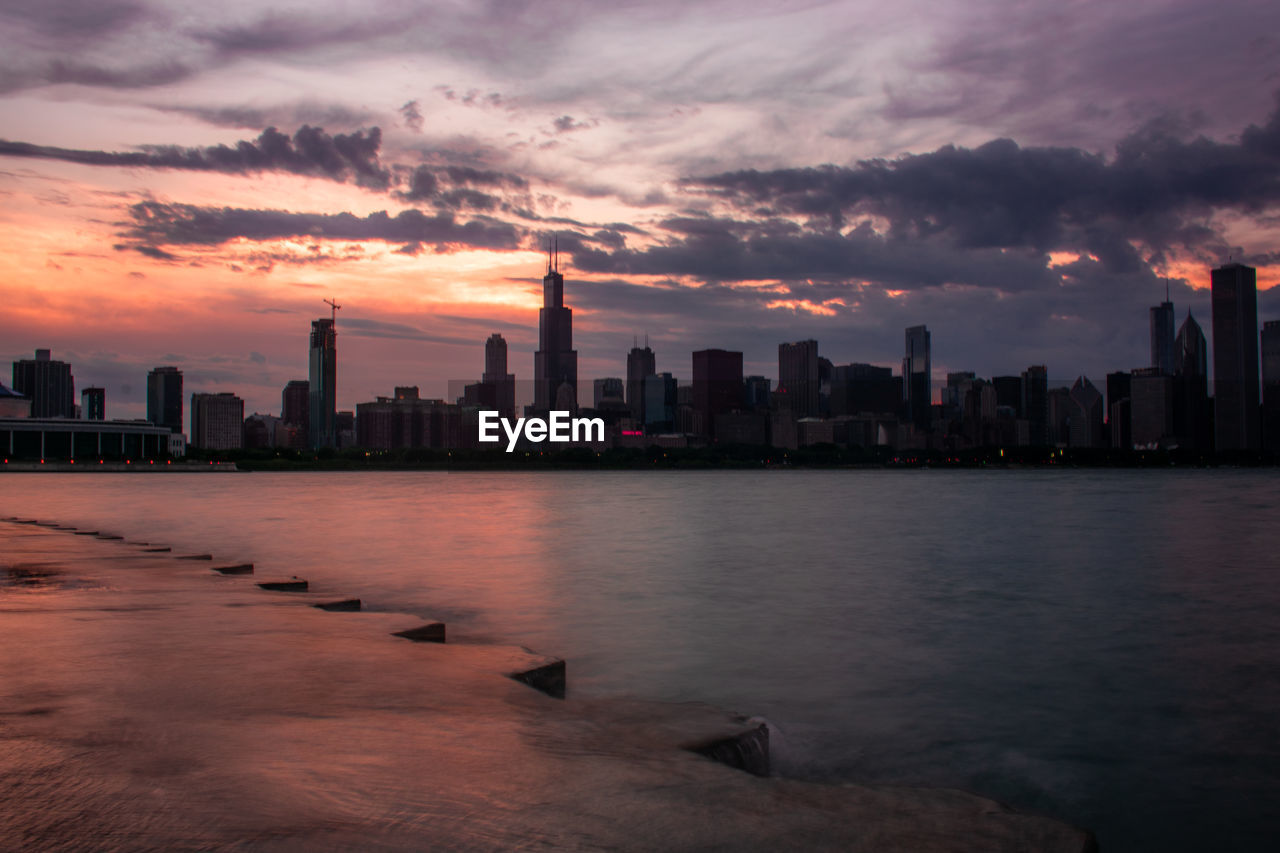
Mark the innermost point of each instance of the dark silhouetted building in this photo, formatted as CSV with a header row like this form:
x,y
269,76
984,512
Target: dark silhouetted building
x,y
798,376
1086,415
1009,392
640,364
917,373
1271,385
660,399
717,386
495,374
1192,414
864,389
1162,337
13,405
295,403
48,384
322,421
1035,404
1118,409
607,390
93,404
1151,408
555,364
755,393
1235,357
164,398
217,421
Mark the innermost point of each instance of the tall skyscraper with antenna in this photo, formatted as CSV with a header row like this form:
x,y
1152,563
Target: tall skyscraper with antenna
x,y
641,363
323,427
555,364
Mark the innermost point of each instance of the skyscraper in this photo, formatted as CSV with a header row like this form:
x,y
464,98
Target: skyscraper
x,y
295,404
1235,357
495,373
323,386
1162,337
1192,422
1035,403
93,404
1271,385
1086,415
798,376
640,364
47,383
717,385
916,375
164,398
555,364
217,421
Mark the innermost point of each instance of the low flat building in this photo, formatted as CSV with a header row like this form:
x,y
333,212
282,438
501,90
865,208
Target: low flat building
x,y
66,439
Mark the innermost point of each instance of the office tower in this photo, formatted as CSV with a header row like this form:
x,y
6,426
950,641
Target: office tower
x,y
1150,407
323,385
1009,392
1192,417
495,374
1035,404
164,398
1271,385
93,404
864,389
47,383
660,396
555,364
953,395
1060,408
755,393
1162,337
1086,415
798,377
916,373
217,421
607,389
640,364
295,403
717,386
1118,409
1235,357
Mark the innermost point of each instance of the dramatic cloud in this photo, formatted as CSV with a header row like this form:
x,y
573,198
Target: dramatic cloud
x,y
155,223
311,151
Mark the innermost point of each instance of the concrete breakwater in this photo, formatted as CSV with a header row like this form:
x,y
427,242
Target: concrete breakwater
x,y
149,701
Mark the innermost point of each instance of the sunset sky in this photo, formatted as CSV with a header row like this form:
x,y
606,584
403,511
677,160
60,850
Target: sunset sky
x,y
184,183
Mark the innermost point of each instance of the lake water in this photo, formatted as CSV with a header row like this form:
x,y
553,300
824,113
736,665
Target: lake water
x,y
1100,646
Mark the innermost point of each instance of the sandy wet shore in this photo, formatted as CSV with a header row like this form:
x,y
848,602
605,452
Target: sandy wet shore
x,y
149,702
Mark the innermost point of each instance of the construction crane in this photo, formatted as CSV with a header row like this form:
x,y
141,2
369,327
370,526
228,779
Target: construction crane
x,y
335,306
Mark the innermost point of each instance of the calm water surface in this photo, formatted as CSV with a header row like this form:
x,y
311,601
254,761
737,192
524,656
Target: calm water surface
x,y
1099,646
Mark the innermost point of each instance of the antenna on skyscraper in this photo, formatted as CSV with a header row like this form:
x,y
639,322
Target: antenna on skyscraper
x,y
557,253
335,306
548,256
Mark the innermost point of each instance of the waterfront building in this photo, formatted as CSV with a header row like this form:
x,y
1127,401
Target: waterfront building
x,y
93,404
798,376
217,421
1035,404
1150,407
1235,357
717,387
83,441
1162,343
47,383
164,398
555,364
917,373
1271,385
13,404
641,363
1086,415
295,404
864,388
323,385
1192,414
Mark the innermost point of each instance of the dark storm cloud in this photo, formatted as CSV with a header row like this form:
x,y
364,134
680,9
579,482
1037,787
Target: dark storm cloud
x,y
1157,189
155,223
412,115
310,151
302,113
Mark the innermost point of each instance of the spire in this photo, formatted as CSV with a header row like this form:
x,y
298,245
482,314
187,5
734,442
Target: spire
x,y
548,256
557,254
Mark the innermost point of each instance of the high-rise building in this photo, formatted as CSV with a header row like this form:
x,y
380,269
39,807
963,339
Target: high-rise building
x,y
1151,407
1009,392
295,403
640,365
1271,385
322,420
1119,387
48,384
917,371
495,374
1162,337
1192,417
93,404
660,392
1235,357
717,386
555,364
1086,415
607,390
1035,404
798,377
164,398
755,393
217,421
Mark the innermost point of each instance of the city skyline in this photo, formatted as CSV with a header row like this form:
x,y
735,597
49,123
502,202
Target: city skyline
x,y
1025,180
